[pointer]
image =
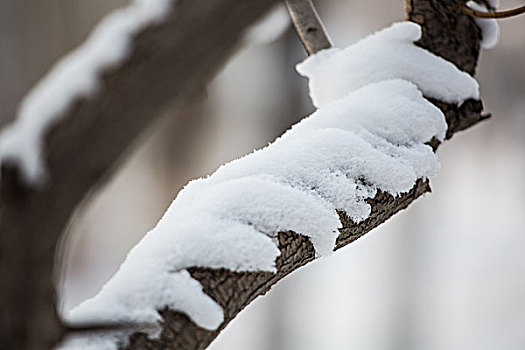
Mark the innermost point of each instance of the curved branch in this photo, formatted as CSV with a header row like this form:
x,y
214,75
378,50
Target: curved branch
x,y
308,25
493,15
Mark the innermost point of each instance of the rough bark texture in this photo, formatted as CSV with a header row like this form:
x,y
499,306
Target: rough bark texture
x,y
172,60
446,32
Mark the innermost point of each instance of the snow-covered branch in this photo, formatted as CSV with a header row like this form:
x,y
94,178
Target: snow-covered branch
x,y
361,157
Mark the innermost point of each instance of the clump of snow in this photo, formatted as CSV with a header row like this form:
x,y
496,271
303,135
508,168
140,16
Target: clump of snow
x,y
387,54
489,27
140,288
369,134
76,75
269,28
251,200
367,106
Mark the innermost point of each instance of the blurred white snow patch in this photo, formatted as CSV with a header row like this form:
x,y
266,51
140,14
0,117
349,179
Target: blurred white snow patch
x,y
387,54
269,28
93,341
74,76
489,27
108,339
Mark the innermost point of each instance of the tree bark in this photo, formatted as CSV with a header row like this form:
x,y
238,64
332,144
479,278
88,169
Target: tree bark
x,y
169,61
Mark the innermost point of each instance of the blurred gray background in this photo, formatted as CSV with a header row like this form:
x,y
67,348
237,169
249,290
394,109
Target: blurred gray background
x,y
448,273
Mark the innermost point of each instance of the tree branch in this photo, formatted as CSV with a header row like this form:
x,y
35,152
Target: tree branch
x,y
169,61
447,32
493,15
308,25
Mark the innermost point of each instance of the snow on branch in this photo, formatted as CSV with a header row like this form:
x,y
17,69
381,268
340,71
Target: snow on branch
x,y
368,135
382,56
489,27
76,75
79,73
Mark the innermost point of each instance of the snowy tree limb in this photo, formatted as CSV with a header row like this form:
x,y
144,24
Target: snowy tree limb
x,y
169,61
446,32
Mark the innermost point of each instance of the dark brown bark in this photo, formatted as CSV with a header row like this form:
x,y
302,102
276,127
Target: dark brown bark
x,y
169,61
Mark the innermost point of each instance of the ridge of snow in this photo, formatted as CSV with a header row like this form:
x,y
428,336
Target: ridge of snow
x,y
74,76
368,135
489,27
394,51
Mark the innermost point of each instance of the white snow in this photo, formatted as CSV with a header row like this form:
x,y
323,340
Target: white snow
x,y
94,341
140,288
489,27
74,76
369,134
393,51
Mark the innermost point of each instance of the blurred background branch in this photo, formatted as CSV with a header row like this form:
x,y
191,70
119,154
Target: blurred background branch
x,y
82,150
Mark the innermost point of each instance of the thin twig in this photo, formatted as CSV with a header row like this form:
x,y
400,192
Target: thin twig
x,y
308,25
493,15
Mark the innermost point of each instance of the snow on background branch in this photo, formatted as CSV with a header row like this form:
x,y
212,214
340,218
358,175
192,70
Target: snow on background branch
x,y
76,75
368,134
489,27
